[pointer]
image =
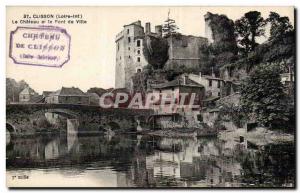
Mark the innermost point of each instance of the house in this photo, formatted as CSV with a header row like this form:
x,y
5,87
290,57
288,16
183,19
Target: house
x,y
174,90
27,94
68,96
184,109
211,83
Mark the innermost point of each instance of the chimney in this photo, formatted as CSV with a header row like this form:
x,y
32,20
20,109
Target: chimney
x,y
185,78
148,28
158,30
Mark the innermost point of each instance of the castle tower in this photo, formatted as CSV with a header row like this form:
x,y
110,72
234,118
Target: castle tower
x,y
129,53
208,30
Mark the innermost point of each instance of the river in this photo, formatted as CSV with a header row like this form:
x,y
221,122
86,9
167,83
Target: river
x,y
144,161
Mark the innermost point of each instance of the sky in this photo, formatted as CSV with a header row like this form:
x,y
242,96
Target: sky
x,y
92,52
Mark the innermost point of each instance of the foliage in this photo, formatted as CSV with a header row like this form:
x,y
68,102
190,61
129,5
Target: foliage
x,y
280,47
176,71
280,26
13,89
231,112
169,27
274,51
223,33
247,28
263,97
43,123
155,50
98,91
214,57
223,50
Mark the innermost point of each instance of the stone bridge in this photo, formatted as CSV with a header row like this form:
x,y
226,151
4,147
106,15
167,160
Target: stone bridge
x,y
29,118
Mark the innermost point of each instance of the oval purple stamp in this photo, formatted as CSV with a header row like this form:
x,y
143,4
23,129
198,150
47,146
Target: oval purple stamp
x,y
40,46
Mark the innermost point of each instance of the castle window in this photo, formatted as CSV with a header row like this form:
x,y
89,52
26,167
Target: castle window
x,y
129,40
210,83
127,31
139,70
138,43
128,48
129,56
138,59
219,84
139,52
120,57
118,46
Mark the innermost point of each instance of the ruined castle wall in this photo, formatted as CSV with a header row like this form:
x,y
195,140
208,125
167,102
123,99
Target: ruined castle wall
x,y
185,51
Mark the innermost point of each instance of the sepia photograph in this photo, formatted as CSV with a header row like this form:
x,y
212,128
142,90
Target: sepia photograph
x,y
150,97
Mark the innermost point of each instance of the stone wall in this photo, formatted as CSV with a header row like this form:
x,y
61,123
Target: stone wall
x,y
185,51
91,118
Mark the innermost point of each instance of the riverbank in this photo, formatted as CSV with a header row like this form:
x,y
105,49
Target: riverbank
x,y
259,136
184,132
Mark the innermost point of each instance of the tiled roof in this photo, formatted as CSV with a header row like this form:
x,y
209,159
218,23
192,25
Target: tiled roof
x,y
28,90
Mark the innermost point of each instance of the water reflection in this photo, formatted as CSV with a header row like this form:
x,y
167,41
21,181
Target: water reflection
x,y
143,161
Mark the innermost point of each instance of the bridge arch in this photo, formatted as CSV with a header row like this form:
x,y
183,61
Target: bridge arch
x,y
65,113
10,131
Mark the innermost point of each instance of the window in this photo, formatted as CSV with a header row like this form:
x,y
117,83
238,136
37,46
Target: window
x,y
127,31
200,118
129,56
128,48
219,84
120,57
139,70
139,52
138,43
219,94
118,46
129,40
210,83
138,59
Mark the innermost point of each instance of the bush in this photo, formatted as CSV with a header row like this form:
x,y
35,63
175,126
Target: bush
x,y
43,123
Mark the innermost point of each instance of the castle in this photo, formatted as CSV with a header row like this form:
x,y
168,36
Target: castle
x,y
184,50
129,52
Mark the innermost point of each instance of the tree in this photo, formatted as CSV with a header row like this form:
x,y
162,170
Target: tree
x,y
98,91
263,97
250,26
280,26
155,50
169,27
13,89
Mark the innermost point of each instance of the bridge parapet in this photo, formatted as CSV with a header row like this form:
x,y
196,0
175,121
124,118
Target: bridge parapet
x,y
90,118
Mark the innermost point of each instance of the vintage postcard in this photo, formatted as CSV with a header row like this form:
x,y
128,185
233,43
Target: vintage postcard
x,y
150,97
